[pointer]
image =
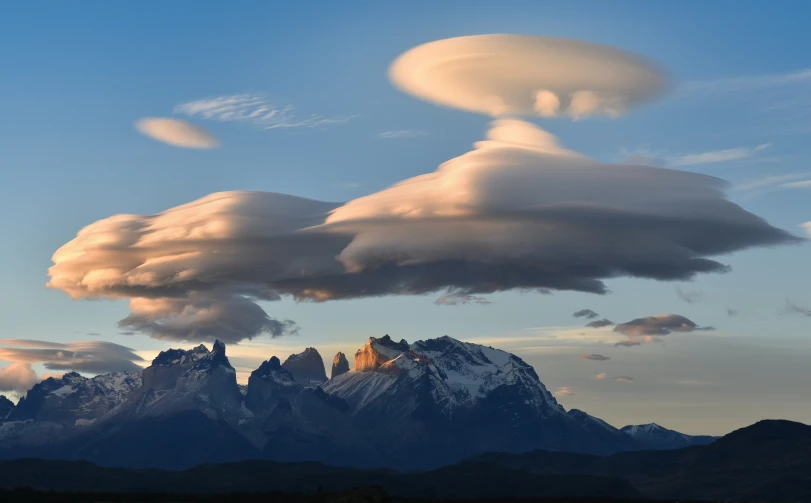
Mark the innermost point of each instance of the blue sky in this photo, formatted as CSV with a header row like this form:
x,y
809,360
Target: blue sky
x,y
76,79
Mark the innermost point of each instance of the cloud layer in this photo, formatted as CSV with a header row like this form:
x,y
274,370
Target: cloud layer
x,y
176,132
510,75
517,212
95,357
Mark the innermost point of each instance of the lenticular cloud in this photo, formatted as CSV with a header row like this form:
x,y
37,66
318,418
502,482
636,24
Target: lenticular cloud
x,y
510,75
517,212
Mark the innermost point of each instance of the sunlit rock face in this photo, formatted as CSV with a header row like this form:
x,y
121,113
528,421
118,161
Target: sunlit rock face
x,y
376,352
339,365
306,367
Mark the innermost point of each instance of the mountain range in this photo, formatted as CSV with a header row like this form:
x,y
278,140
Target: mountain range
x,y
406,406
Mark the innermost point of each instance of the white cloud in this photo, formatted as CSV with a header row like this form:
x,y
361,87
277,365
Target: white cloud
x,y
731,154
17,377
769,182
547,76
807,227
176,132
256,110
402,134
804,184
519,212
747,83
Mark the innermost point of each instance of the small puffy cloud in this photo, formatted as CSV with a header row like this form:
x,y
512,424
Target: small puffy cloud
x,y
256,110
625,379
690,297
94,357
17,377
649,328
605,322
585,313
807,227
176,132
402,134
601,376
595,357
518,212
792,308
509,75
458,299
565,391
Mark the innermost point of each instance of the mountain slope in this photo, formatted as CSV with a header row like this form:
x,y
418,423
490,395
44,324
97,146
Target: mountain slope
x,y
653,436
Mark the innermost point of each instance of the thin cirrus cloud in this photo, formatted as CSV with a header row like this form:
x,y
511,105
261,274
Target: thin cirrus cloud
x,y
460,299
794,308
518,212
688,296
731,154
509,75
256,110
650,328
176,132
402,134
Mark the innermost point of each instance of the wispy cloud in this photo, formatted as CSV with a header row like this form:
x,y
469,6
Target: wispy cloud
x,y
770,182
565,391
256,110
746,83
726,155
585,313
793,308
804,184
690,297
459,299
601,376
402,134
625,379
595,357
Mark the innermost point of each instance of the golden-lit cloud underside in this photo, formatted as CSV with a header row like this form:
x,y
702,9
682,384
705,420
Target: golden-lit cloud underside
x,y
523,75
517,212
176,132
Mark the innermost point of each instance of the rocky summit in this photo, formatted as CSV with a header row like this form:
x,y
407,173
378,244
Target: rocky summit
x,y
403,405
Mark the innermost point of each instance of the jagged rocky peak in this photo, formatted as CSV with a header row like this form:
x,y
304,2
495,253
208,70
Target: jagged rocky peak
x,y
307,368
268,384
169,365
378,351
179,356
212,359
340,365
5,407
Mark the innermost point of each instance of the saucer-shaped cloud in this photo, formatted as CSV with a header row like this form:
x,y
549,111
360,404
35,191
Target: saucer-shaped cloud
x,y
649,328
95,357
517,212
513,75
176,132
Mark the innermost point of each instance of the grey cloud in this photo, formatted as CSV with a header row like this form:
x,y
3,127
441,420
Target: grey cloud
x,y
457,299
605,322
732,311
93,334
649,328
792,308
87,356
585,313
595,357
690,297
625,379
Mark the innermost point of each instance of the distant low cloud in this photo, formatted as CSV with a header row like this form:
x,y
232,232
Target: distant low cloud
x,y
17,377
456,300
595,357
94,357
402,134
625,379
732,311
600,323
256,110
649,328
176,132
565,391
601,376
690,297
792,308
585,313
